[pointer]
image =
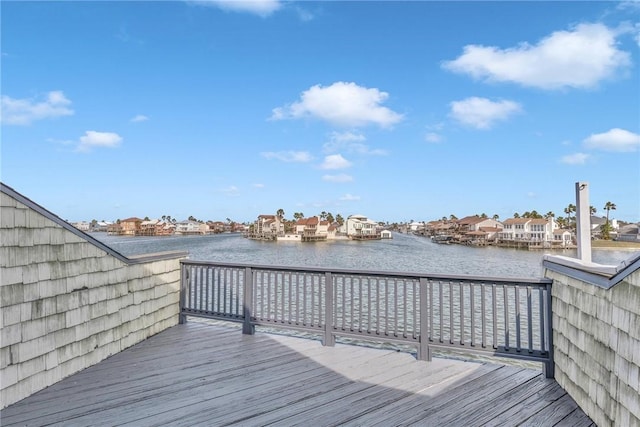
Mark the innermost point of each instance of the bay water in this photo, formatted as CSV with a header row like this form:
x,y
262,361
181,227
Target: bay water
x,y
404,253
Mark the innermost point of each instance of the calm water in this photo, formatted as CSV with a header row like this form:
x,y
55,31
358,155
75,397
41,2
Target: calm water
x,y
406,253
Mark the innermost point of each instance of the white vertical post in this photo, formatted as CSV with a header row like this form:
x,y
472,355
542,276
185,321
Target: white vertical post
x,y
583,221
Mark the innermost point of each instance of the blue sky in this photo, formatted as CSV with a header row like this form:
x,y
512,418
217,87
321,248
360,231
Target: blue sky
x,y
396,110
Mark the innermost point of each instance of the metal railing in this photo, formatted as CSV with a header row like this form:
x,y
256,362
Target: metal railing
x,y
495,316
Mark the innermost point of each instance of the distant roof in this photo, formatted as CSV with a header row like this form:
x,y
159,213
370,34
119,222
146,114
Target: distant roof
x,y
517,221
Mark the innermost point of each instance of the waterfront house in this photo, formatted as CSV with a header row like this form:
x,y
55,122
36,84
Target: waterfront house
x,y
312,229
629,233
218,227
267,227
102,226
528,229
128,227
475,223
441,227
562,238
359,227
191,227
598,223
416,227
82,225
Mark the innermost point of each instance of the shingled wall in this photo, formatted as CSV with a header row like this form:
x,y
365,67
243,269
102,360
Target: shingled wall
x,y
596,335
68,301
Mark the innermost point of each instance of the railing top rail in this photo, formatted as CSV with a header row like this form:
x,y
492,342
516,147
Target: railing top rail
x,y
405,275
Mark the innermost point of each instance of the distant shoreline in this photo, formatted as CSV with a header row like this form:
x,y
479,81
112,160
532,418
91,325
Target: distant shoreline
x,y
615,245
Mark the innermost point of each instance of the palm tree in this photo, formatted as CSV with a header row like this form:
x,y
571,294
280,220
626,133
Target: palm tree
x,y
280,213
339,219
592,210
534,214
549,215
330,217
495,217
568,210
561,222
298,215
323,215
516,215
607,228
452,217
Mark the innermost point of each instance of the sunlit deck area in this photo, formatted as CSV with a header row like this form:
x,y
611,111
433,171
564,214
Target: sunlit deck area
x,y
211,374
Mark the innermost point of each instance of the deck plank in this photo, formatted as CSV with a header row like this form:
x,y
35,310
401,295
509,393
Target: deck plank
x,y
203,374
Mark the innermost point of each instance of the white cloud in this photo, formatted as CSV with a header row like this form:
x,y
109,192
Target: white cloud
x,y
262,8
579,58
92,139
337,178
614,140
341,104
26,111
288,156
575,159
335,161
351,142
432,137
349,197
258,185
230,191
139,118
482,113
305,15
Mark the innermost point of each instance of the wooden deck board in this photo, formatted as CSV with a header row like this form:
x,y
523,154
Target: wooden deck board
x,y
202,374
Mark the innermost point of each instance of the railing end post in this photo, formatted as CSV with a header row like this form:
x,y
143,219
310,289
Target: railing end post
x,y
548,369
248,328
424,351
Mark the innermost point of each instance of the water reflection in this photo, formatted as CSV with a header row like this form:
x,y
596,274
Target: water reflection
x,y
406,253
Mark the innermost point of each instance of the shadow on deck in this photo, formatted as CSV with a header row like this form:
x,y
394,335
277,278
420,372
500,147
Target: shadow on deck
x,y
200,374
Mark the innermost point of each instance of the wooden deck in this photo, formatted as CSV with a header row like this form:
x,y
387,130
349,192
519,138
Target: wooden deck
x,y
201,374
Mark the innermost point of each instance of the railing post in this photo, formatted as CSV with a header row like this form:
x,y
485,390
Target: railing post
x,y
424,350
184,281
247,327
328,338
549,366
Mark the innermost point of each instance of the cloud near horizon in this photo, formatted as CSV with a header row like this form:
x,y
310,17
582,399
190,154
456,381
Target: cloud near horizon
x,y
288,156
619,140
349,198
482,113
579,58
575,159
23,112
341,104
261,8
92,139
139,118
352,142
337,178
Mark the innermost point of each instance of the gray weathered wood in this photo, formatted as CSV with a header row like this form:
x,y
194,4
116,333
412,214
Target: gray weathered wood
x,y
211,374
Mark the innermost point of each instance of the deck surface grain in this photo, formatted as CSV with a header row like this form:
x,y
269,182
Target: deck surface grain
x,y
212,375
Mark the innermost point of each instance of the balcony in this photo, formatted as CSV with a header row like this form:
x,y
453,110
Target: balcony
x,y
91,337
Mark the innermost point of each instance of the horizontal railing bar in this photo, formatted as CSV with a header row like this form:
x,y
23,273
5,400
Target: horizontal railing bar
x,y
404,275
536,356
